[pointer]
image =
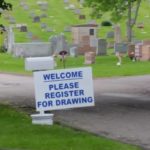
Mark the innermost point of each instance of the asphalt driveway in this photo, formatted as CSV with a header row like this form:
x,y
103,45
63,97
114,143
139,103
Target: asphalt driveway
x,y
122,109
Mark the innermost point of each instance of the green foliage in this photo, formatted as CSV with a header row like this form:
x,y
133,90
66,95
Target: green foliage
x,y
117,8
106,23
2,49
17,132
5,6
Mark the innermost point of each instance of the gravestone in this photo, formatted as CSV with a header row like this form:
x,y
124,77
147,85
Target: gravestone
x,y
140,25
36,19
77,11
110,34
71,6
89,58
22,3
61,43
32,15
29,35
66,1
117,34
12,20
138,50
53,44
23,28
131,51
145,53
42,3
102,47
49,29
121,47
44,7
82,17
43,25
73,51
146,42
43,15
67,29
81,1
26,7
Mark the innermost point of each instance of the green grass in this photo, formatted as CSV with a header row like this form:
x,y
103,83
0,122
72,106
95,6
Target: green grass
x,y
59,17
11,64
17,132
105,66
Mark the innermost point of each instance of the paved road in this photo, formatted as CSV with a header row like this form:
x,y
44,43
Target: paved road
x,y
122,109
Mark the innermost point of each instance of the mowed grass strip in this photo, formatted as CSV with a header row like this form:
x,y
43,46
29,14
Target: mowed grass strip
x,y
17,132
105,66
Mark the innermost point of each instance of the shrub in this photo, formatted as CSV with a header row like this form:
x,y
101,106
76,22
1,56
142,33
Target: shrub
x,y
2,49
106,23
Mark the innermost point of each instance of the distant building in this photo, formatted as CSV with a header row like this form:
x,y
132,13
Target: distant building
x,y
85,37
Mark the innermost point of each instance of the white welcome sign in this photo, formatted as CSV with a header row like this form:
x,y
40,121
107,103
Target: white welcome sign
x,y
65,88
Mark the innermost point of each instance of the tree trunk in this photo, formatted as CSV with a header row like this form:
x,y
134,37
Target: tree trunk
x,y
130,22
129,26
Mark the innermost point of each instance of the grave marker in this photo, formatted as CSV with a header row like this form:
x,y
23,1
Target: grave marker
x,y
43,25
89,58
23,28
102,47
121,47
82,17
36,19
110,34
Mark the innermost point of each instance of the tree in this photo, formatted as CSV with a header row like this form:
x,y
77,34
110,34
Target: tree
x,y
118,9
4,6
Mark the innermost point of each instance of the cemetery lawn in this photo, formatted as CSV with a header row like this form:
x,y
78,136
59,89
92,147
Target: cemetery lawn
x,y
105,66
17,132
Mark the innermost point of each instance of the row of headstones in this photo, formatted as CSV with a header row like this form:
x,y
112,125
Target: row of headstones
x,y
80,1
42,4
139,49
77,11
59,43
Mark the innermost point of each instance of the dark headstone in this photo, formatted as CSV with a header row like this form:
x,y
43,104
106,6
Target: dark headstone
x,y
82,17
110,34
36,19
102,47
121,47
23,29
